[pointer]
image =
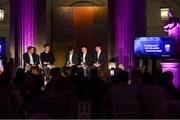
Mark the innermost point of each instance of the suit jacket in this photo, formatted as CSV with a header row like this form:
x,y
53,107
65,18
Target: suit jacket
x,y
47,57
74,58
88,58
27,59
100,60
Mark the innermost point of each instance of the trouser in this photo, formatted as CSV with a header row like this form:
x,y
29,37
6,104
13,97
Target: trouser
x,y
46,72
27,68
85,71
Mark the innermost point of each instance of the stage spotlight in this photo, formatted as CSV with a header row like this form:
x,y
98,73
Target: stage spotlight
x,y
1,14
164,13
164,9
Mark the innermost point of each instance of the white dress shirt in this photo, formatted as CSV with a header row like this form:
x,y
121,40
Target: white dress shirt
x,y
31,59
1,66
98,54
70,58
84,57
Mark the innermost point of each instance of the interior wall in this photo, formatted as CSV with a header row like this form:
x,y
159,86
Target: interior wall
x,y
83,25
41,28
76,26
154,22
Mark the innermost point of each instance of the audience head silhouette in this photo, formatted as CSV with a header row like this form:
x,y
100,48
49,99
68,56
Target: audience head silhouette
x,y
122,76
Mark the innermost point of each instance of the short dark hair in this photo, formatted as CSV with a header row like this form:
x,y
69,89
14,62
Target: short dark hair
x,y
147,78
122,76
98,45
30,47
70,48
168,75
84,46
171,12
46,45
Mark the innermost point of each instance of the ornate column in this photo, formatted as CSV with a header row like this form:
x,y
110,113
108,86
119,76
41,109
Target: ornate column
x,y
124,16
22,26
123,21
28,24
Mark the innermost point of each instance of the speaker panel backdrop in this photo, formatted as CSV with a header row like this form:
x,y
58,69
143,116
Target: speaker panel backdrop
x,y
76,26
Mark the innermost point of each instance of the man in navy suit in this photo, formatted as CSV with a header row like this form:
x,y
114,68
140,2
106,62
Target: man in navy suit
x,y
30,59
99,59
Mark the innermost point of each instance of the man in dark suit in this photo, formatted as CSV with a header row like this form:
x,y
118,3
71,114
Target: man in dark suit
x,y
84,57
84,60
71,58
30,58
47,57
47,60
98,59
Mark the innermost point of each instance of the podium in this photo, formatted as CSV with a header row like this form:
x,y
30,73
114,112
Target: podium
x,y
172,66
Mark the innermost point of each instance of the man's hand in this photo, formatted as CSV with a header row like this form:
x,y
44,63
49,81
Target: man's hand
x,y
45,63
96,65
69,65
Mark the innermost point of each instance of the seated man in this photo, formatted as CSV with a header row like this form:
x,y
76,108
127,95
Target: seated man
x,y
47,60
71,58
98,59
30,59
84,59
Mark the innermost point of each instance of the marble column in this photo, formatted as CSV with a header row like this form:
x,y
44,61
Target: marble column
x,y
22,26
124,16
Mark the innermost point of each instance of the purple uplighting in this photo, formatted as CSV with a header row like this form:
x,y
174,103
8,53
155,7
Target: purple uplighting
x,y
174,32
174,68
124,31
28,23
172,27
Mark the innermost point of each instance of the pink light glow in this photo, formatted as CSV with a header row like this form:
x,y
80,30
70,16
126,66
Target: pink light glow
x,y
28,24
174,68
124,18
174,31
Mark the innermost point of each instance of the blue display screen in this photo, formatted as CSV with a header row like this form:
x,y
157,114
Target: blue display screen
x,y
161,47
2,46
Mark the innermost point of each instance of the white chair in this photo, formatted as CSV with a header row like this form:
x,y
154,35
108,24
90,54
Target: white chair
x,y
84,109
80,109
125,110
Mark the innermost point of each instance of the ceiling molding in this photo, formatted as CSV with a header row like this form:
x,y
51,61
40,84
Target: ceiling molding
x,y
81,2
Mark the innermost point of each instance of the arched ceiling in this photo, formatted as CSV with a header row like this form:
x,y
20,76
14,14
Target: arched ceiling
x,y
81,2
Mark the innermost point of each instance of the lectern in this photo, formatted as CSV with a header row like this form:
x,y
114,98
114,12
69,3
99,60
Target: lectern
x,y
172,66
